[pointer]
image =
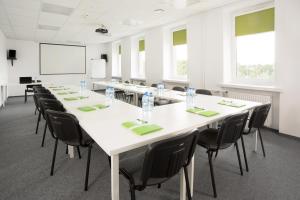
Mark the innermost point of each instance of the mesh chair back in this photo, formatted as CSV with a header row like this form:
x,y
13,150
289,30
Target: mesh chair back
x,y
154,85
65,127
203,91
231,129
164,159
41,90
32,86
259,116
38,96
177,88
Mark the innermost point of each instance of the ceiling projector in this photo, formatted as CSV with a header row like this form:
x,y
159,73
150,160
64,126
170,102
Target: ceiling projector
x,y
102,30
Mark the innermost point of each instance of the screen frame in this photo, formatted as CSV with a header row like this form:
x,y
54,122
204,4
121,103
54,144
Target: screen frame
x,y
40,70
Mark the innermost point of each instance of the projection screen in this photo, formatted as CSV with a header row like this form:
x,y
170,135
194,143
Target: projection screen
x,y
62,59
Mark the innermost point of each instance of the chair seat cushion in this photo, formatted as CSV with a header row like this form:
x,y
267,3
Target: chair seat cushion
x,y
161,102
208,139
132,162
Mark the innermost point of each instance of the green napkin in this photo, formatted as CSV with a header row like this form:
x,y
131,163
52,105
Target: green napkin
x,y
129,124
194,110
145,129
82,97
70,99
208,113
73,92
86,109
58,89
100,106
231,104
62,93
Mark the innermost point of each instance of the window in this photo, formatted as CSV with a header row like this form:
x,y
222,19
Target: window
x,y
138,64
179,55
117,66
255,46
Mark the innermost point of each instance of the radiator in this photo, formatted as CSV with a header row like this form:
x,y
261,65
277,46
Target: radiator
x,y
254,97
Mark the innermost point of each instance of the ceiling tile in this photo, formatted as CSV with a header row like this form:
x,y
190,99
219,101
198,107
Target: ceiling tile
x,y
23,4
52,19
65,3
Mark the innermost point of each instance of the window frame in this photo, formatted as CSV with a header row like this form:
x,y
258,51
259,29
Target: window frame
x,y
172,71
117,64
234,77
135,70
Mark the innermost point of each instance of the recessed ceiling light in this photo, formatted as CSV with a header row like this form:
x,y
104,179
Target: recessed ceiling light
x,y
159,10
131,22
56,9
48,27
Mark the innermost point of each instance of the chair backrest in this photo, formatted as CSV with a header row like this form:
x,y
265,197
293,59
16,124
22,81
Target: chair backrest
x,y
32,86
231,129
164,159
153,85
142,84
37,96
259,116
41,90
177,88
65,127
50,104
203,91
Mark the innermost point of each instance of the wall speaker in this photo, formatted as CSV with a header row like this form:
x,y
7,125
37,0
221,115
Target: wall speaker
x,y
104,56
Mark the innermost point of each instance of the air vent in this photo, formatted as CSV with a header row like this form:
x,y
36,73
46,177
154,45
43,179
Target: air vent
x,y
48,27
56,9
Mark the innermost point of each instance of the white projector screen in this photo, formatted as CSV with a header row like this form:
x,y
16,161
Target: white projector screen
x,y
62,59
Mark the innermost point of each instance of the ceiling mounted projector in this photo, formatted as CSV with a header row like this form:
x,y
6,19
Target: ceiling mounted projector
x,y
102,30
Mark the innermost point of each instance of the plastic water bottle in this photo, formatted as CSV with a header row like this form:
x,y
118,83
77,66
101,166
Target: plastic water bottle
x,y
151,101
112,93
145,102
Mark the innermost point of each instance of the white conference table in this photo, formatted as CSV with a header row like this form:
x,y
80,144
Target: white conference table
x,y
104,126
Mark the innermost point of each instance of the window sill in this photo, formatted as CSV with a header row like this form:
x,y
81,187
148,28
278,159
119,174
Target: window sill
x,y
176,81
117,77
251,87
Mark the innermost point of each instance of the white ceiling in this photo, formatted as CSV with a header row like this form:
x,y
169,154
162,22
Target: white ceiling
x,y
25,20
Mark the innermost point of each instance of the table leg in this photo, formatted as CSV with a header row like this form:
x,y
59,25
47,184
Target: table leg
x,y
136,99
115,177
191,180
255,148
71,151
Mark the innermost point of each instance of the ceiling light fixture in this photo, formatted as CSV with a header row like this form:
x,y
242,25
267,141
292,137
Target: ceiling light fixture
x,y
159,10
48,27
56,9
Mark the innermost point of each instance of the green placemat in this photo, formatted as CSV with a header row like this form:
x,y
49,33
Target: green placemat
x,y
129,124
71,99
73,92
62,93
231,104
82,97
101,106
86,109
58,89
208,113
145,129
194,110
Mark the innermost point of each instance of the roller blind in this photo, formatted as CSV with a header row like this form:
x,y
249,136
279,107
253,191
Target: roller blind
x,y
142,45
179,37
256,22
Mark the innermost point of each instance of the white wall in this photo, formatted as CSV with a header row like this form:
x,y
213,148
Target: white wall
x,y
27,64
288,64
3,62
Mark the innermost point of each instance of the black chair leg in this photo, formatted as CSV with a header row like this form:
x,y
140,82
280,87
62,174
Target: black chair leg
x,y
245,155
212,173
261,142
38,122
187,182
53,158
44,135
25,100
87,169
67,150
132,192
78,150
239,157
35,111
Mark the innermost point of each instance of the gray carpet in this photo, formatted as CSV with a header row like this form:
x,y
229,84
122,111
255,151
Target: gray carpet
x,y
25,167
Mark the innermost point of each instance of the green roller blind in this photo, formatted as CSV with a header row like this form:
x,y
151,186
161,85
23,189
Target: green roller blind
x,y
142,45
120,49
179,37
257,22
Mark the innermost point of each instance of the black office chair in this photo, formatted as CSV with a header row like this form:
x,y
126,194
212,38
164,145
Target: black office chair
x,y
203,91
51,104
218,139
36,98
29,89
128,96
65,127
159,101
257,121
177,88
161,161
154,85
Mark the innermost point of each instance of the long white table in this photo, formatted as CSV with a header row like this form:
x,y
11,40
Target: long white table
x,y
104,126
